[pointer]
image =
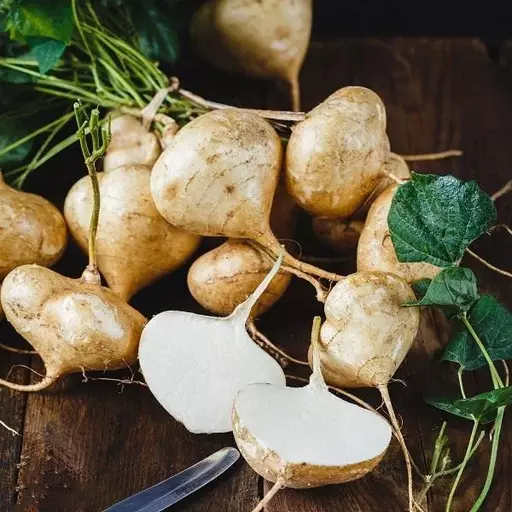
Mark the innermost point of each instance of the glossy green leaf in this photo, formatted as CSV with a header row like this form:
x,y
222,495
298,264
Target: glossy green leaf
x,y
453,288
483,407
46,51
493,324
434,218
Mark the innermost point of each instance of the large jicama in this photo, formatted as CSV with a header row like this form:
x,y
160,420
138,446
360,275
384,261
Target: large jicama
x,y
306,437
75,325
135,244
218,178
375,251
343,234
195,364
367,334
262,38
32,230
335,157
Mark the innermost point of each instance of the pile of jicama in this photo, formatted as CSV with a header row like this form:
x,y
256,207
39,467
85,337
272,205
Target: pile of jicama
x,y
227,174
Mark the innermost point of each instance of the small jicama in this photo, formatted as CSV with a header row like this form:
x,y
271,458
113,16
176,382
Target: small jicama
x,y
266,38
218,178
135,244
195,364
335,157
75,325
306,437
375,251
367,334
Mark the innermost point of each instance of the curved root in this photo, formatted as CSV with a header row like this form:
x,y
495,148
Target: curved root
x,y
266,344
432,156
10,429
398,434
270,494
15,350
46,382
489,265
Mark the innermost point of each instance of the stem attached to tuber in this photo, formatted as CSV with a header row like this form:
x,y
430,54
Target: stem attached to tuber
x,y
279,484
83,122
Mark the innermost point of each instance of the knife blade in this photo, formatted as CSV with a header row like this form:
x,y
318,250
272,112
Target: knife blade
x,y
173,489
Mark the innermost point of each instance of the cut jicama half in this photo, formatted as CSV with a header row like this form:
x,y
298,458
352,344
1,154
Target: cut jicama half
x,y
195,364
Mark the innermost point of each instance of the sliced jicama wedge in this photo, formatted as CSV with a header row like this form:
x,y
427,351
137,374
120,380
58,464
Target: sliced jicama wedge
x,y
195,364
307,437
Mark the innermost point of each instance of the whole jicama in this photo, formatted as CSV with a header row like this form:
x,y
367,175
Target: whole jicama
x,y
262,38
218,177
131,144
32,230
135,245
375,250
334,157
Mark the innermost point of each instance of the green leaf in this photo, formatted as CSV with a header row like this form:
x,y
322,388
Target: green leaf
x,y
420,287
483,407
454,288
157,38
46,51
47,18
435,218
12,130
493,324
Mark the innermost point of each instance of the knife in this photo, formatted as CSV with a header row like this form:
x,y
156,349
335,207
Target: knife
x,y
177,487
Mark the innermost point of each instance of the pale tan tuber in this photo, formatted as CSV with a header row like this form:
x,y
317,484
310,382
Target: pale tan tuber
x,y
225,277
131,143
135,245
218,178
32,230
75,325
262,38
375,251
334,157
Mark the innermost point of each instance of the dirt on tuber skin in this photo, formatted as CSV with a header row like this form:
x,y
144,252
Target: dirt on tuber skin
x,y
33,230
266,38
75,325
131,143
343,234
135,244
335,156
375,251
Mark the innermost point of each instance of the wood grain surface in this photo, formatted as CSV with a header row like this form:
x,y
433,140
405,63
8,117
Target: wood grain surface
x,y
89,444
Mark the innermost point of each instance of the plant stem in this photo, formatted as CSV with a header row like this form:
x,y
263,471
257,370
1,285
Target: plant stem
x,y
461,382
462,466
496,379
492,462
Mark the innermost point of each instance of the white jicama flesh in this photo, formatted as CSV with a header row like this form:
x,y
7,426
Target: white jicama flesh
x,y
195,364
307,437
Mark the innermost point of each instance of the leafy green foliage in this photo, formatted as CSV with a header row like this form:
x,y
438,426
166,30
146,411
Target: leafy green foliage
x,y
41,18
46,51
11,131
493,324
482,407
157,37
454,287
434,218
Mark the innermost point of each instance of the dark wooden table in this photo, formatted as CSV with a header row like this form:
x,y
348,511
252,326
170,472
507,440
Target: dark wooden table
x,y
90,444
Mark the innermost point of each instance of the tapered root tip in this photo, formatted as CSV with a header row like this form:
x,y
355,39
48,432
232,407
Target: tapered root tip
x,y
46,382
295,93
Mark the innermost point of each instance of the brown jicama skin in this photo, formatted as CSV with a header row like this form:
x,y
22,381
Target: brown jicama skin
x,y
261,38
32,230
375,251
131,143
367,332
343,234
225,277
75,325
218,178
335,156
135,244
